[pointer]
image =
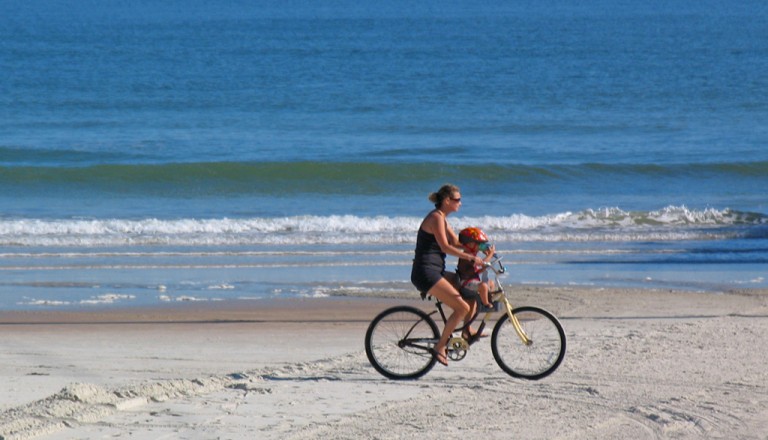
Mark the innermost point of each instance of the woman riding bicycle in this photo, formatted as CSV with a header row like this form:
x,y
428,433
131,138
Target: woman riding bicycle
x,y
434,241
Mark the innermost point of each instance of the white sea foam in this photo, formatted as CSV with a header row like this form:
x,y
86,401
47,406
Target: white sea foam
x,y
42,302
604,224
109,298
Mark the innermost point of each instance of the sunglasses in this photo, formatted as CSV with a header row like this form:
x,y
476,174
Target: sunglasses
x,y
455,200
484,246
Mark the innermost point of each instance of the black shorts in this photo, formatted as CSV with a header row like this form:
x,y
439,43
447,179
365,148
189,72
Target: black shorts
x,y
424,277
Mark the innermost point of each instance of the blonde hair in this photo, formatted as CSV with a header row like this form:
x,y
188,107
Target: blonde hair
x,y
445,191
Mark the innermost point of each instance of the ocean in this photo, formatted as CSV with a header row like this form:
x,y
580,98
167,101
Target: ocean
x,y
157,152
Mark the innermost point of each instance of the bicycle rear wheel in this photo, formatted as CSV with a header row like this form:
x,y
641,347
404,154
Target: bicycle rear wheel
x,y
539,358
398,341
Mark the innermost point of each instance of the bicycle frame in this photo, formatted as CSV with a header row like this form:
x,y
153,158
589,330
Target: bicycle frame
x,y
498,295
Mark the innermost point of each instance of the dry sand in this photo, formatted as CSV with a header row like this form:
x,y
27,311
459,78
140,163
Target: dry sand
x,y
640,364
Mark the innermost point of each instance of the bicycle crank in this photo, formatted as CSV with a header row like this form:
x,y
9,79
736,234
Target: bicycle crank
x,y
457,349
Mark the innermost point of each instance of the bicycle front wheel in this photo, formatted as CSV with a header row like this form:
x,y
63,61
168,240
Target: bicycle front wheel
x,y
541,356
398,341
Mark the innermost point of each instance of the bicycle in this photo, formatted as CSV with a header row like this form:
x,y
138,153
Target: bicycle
x,y
527,342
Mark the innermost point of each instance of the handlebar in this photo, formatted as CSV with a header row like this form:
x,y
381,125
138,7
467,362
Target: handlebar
x,y
490,265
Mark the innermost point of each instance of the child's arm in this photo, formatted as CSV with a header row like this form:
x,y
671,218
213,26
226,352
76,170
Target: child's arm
x,y
489,253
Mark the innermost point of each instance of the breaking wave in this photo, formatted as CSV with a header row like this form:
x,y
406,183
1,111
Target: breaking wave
x,y
606,224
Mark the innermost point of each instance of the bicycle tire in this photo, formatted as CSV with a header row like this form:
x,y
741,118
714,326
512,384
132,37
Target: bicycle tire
x,y
536,360
398,340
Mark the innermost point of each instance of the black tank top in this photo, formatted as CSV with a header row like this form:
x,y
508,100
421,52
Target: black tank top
x,y
428,250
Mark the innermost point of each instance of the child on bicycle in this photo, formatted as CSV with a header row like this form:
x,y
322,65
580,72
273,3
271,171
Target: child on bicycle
x,y
474,240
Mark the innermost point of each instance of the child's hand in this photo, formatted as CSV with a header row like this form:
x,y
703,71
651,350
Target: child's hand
x,y
490,251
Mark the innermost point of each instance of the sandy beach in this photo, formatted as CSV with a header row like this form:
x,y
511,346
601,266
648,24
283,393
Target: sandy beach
x,y
640,364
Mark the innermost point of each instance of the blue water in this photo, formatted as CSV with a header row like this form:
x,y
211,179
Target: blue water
x,y
153,151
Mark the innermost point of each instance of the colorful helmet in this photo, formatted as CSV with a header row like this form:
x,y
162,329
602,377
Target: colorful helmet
x,y
472,235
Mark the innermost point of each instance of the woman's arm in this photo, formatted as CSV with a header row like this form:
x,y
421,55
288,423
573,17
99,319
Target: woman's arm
x,y
453,239
446,237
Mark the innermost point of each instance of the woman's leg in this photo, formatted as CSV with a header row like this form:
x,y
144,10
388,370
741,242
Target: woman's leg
x,y
468,317
471,302
448,295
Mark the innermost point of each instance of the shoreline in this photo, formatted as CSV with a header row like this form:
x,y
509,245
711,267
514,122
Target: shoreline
x,y
331,307
639,363
326,309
